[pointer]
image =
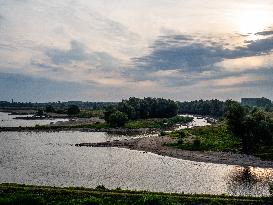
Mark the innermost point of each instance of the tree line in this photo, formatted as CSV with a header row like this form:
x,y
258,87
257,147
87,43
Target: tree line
x,y
136,108
214,108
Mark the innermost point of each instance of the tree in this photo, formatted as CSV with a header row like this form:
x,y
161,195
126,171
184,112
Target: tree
x,y
251,125
235,114
40,112
73,110
136,108
117,119
49,108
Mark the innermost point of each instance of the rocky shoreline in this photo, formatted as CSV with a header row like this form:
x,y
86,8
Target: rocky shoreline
x,y
156,145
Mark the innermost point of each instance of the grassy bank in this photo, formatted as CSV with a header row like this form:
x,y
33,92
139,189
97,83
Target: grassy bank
x,y
214,138
23,194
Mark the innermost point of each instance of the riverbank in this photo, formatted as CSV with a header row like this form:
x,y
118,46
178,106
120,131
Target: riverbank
x,y
27,194
157,145
95,128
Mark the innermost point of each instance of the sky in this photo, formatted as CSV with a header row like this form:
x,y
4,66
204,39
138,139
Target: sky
x,y
108,50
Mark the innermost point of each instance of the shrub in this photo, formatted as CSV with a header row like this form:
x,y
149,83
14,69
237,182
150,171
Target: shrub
x,y
73,110
180,141
196,144
162,133
118,119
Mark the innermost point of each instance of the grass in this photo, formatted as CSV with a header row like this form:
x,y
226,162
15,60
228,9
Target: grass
x,y
214,138
159,123
41,195
88,113
208,138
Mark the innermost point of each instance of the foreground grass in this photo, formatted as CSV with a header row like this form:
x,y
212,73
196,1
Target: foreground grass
x,y
36,195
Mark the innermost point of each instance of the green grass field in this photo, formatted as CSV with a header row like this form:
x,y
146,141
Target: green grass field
x,y
214,138
37,195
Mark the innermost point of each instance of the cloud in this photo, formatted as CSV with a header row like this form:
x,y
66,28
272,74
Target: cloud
x,y
26,87
265,33
79,54
75,53
170,52
178,60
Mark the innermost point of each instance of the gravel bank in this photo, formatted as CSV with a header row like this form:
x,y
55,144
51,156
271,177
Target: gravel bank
x,y
156,145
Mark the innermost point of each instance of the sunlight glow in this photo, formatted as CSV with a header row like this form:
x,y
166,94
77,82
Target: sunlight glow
x,y
253,20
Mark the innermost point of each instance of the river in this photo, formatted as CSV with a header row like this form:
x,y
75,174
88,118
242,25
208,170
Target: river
x,y
51,158
7,120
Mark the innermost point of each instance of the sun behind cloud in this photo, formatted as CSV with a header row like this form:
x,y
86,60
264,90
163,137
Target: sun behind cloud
x,y
253,20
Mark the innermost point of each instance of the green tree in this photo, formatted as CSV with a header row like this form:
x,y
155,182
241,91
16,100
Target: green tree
x,y
117,119
49,108
252,126
73,110
40,112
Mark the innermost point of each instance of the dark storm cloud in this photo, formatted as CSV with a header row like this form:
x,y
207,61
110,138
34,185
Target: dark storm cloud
x,y
195,62
170,53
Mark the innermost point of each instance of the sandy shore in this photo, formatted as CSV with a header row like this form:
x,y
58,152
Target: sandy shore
x,y
156,145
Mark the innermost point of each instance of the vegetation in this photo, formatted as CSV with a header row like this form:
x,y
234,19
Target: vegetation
x,y
245,129
253,126
88,113
37,195
73,110
49,108
214,108
136,108
213,138
160,123
117,119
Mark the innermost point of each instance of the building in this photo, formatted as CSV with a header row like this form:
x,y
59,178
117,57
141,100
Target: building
x,y
259,102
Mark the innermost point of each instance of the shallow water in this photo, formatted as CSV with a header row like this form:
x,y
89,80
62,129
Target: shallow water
x,y
196,122
7,120
52,159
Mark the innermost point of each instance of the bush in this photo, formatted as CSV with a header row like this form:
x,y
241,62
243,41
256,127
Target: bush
x,y
73,110
162,133
196,144
40,112
49,108
118,119
180,141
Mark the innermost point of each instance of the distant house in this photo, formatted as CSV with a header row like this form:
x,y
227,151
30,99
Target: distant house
x,y
258,102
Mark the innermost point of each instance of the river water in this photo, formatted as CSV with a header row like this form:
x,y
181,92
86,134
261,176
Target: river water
x,y
51,158
7,120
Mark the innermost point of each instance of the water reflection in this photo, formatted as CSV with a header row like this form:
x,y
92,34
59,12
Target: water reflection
x,y
249,180
50,158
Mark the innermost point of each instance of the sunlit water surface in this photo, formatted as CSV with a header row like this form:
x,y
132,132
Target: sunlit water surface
x,y
7,120
42,158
